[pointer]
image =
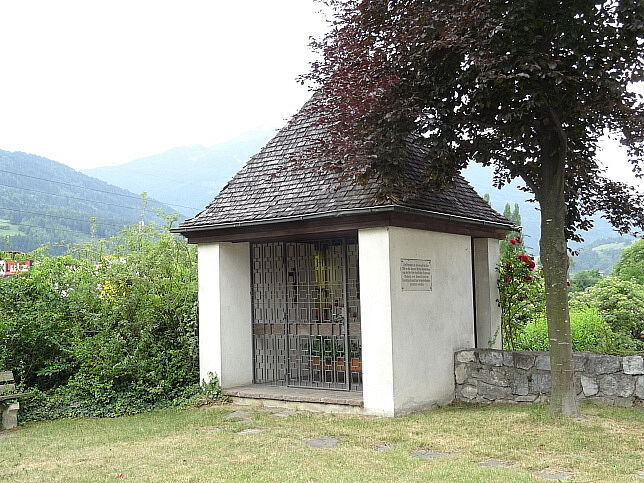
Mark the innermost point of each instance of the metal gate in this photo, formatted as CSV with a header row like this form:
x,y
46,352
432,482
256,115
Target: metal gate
x,y
306,314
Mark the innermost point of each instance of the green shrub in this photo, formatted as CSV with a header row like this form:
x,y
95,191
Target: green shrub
x,y
620,302
589,333
580,281
533,336
211,388
104,332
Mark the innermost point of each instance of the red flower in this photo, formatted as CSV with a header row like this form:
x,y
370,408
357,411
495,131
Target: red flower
x,y
513,241
568,284
518,239
528,279
508,266
506,279
520,299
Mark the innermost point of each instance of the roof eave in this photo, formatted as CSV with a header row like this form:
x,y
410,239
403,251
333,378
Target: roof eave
x,y
349,212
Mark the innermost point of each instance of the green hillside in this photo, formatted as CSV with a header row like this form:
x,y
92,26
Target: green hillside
x,y
45,202
601,254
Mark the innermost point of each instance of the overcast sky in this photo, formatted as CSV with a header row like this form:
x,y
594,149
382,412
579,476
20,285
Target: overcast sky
x,y
91,83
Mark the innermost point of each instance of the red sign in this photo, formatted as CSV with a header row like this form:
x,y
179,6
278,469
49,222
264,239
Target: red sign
x,y
13,267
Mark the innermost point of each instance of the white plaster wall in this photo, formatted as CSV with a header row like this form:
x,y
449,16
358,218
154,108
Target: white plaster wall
x,y
225,337
375,310
208,275
429,326
488,311
409,337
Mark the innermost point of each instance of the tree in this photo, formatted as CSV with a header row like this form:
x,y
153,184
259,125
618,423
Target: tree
x,y
584,279
515,217
631,263
621,304
528,87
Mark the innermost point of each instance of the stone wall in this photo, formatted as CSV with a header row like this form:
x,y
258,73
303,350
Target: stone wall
x,y
489,375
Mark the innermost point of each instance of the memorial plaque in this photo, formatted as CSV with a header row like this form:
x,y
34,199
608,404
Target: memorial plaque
x,y
415,274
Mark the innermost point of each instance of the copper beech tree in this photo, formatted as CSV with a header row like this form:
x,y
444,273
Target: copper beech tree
x,y
527,86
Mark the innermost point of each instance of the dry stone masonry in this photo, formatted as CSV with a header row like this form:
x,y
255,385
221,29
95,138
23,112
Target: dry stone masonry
x,y
489,375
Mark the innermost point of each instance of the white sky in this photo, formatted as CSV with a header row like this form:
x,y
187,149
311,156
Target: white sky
x,y
91,83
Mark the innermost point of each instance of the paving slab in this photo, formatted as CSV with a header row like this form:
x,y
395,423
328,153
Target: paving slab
x,y
494,463
252,431
386,446
427,454
284,414
554,475
239,415
322,442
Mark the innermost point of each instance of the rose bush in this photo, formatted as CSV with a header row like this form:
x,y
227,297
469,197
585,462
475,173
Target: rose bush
x,y
521,291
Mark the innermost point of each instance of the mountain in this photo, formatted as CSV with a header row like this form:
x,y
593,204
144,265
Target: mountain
x,y
187,177
481,179
601,254
45,202
602,233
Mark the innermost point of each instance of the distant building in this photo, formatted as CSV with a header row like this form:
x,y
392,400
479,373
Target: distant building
x,y
12,266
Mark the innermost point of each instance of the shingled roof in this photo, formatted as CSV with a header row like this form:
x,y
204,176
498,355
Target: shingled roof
x,y
271,188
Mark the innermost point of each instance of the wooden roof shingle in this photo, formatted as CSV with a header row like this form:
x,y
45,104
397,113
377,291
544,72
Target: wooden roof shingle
x,y
271,188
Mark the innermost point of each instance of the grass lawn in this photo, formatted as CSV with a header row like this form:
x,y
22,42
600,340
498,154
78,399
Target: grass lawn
x,y
204,445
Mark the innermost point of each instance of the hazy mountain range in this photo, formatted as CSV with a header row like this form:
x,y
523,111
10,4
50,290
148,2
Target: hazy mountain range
x,y
481,179
601,248
189,177
45,202
186,179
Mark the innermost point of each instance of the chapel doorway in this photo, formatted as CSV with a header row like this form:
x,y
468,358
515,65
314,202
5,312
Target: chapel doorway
x,y
306,314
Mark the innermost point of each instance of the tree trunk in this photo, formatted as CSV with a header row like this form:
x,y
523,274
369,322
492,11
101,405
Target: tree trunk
x,y
554,258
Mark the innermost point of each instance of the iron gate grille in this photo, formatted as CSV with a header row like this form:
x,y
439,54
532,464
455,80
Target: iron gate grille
x,y
306,314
